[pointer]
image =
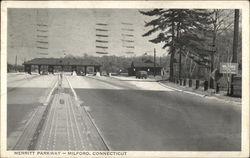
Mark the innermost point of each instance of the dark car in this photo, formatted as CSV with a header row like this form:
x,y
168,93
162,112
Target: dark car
x,y
141,74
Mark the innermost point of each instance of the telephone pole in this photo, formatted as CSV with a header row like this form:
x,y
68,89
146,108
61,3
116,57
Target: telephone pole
x,y
235,43
16,64
180,68
154,60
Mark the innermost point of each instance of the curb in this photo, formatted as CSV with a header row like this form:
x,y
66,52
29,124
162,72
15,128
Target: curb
x,y
98,130
50,94
201,95
183,91
90,117
74,92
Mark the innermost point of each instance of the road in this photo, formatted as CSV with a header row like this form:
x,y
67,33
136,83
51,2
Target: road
x,y
25,94
141,115
67,126
116,114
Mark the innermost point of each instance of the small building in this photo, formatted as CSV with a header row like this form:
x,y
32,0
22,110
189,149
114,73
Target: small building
x,y
147,65
51,65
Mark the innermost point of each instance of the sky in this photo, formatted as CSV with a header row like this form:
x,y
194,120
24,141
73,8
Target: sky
x,y
73,31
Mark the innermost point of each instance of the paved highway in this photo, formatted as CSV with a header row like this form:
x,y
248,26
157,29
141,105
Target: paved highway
x,y
116,114
67,126
25,93
142,115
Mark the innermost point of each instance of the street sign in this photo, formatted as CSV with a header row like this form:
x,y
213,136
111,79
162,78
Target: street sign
x,y
229,68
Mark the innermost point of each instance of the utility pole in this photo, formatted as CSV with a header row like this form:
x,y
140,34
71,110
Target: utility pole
x,y
235,43
211,85
171,66
211,80
180,65
154,60
16,64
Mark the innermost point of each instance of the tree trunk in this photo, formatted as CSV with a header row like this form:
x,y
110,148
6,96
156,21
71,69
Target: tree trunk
x,y
179,36
180,68
171,75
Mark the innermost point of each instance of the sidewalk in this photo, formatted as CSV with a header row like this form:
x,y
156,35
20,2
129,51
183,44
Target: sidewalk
x,y
200,92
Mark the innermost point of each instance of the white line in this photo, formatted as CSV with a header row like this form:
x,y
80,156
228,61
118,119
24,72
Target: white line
x,y
76,98
26,126
70,121
54,140
78,131
50,94
46,126
91,120
52,124
68,136
98,130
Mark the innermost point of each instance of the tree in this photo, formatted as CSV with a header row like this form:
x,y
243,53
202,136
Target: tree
x,y
178,30
221,22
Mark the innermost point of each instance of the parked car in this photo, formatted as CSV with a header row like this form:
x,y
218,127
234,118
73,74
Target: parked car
x,y
44,72
141,74
104,73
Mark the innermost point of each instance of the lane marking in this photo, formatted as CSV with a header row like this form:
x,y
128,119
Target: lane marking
x,y
74,93
68,135
47,123
50,94
98,130
52,124
91,120
75,120
70,121
57,115
25,128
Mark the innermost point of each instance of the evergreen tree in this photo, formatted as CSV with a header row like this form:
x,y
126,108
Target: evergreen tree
x,y
180,29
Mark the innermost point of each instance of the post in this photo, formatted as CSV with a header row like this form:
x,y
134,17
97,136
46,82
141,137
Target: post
x,y
235,43
180,65
16,64
154,61
211,80
160,60
85,69
171,63
39,69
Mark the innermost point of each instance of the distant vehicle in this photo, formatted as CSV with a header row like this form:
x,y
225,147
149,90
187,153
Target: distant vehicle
x,y
141,74
91,73
44,73
104,73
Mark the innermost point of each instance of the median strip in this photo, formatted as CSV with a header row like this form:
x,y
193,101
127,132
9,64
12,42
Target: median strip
x,y
82,111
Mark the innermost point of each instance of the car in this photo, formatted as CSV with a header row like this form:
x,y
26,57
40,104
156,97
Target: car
x,y
104,73
44,72
141,74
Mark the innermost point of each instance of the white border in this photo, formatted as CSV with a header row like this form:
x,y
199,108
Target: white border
x,y
243,5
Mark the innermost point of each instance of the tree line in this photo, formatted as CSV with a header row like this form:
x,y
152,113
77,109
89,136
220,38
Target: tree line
x,y
197,40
